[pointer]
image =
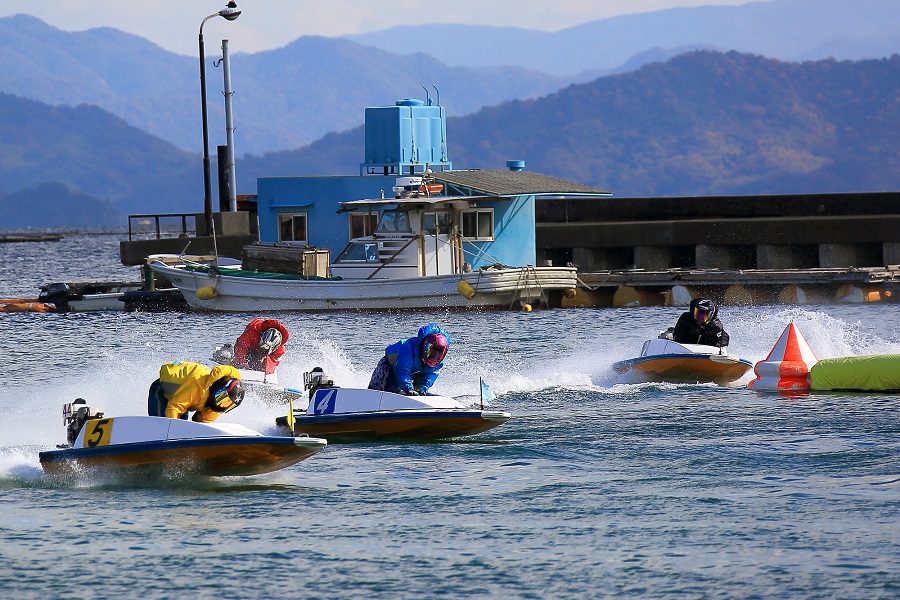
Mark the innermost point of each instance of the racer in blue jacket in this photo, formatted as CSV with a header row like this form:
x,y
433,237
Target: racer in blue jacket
x,y
411,365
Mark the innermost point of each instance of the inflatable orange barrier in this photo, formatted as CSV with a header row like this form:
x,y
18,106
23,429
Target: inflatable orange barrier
x,y
786,369
11,306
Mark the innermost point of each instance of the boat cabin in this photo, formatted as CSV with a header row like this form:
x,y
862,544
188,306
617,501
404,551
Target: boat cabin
x,y
418,233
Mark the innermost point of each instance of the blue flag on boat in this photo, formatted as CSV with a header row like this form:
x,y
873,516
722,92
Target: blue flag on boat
x,y
486,396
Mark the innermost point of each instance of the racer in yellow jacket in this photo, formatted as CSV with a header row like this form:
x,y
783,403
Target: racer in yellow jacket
x,y
185,387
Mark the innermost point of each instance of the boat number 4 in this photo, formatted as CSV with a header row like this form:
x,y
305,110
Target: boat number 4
x,y
325,402
97,432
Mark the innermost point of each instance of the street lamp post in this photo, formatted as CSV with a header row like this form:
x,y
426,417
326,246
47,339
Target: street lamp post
x,y
230,13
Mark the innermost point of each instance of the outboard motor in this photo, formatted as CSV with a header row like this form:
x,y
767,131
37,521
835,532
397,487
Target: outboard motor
x,y
223,355
316,380
56,293
75,415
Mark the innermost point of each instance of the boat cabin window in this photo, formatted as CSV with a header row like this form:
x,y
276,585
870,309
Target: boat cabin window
x,y
359,252
362,224
478,225
394,222
292,228
436,223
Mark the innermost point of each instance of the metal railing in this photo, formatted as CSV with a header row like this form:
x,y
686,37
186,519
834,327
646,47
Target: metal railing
x,y
133,230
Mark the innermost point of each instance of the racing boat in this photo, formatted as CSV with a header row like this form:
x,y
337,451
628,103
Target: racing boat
x,y
353,414
663,359
159,444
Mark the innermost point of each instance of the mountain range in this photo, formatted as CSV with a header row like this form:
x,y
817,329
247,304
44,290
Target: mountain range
x,y
790,30
291,96
284,98
703,123
99,124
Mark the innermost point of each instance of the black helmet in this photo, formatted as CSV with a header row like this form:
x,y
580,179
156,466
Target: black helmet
x,y
704,310
225,395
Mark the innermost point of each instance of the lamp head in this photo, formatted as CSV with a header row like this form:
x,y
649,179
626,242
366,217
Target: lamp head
x,y
231,11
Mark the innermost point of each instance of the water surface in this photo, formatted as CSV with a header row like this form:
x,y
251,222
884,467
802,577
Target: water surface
x,y
593,489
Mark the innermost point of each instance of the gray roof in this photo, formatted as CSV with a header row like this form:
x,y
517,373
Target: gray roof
x,y
413,201
512,183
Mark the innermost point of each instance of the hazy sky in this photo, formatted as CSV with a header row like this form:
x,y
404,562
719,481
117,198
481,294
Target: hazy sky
x,y
267,24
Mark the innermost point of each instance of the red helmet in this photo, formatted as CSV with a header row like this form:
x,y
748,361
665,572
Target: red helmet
x,y
434,348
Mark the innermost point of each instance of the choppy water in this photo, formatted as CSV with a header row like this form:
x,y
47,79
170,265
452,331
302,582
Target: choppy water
x,y
591,490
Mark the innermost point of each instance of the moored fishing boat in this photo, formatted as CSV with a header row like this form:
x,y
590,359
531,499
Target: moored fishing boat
x,y
87,296
214,288
353,414
158,444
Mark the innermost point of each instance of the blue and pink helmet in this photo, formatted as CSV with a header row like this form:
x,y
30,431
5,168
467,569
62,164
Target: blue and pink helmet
x,y
434,348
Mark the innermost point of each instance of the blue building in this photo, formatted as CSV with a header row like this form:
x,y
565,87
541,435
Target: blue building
x,y
407,207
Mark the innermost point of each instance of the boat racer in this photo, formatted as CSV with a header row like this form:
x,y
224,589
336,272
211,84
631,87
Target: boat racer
x,y
261,346
701,325
185,387
411,365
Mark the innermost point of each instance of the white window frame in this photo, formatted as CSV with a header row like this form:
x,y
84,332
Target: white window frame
x,y
364,217
448,226
479,212
295,239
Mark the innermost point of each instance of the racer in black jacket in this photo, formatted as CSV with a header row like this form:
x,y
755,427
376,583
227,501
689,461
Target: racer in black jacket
x,y
700,325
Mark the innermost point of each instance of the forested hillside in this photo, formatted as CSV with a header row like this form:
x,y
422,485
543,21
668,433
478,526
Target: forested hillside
x,y
95,153
702,123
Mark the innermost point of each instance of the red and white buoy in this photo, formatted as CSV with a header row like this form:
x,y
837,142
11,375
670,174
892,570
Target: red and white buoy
x,y
786,369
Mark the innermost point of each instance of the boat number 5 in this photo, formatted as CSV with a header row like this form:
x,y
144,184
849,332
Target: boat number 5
x,y
97,432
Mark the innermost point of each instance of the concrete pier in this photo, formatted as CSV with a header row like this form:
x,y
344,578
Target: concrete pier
x,y
746,249
233,231
803,231
675,287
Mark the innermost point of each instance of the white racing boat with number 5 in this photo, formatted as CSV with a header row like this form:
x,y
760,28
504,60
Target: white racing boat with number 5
x,y
140,444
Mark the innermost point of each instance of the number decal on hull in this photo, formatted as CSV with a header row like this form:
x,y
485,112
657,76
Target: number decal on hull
x,y
325,402
97,432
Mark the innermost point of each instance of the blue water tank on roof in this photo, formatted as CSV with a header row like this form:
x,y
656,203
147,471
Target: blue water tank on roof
x,y
402,139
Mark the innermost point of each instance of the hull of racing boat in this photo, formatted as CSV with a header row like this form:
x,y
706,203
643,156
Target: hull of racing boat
x,y
397,425
157,444
684,368
213,457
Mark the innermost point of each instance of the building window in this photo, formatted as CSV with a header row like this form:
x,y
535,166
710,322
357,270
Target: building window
x,y
362,225
292,228
478,225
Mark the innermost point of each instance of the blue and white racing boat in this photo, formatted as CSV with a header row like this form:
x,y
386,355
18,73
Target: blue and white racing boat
x,y
354,414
